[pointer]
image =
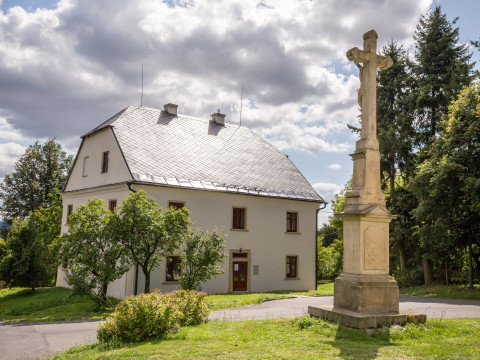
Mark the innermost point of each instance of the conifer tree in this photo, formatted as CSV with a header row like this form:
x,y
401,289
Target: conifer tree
x,y
442,69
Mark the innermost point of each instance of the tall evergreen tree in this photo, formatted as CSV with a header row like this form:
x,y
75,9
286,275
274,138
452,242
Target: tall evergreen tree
x,y
41,169
396,136
442,69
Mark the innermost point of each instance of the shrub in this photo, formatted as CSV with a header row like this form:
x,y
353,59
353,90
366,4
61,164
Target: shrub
x,y
150,315
192,305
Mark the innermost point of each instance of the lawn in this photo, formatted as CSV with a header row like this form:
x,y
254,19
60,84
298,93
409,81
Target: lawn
x,y
48,304
444,291
286,339
324,288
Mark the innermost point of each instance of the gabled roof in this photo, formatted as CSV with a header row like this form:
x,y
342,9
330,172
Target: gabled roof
x,y
183,151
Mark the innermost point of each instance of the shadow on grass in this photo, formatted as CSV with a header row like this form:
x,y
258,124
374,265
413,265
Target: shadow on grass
x,y
357,344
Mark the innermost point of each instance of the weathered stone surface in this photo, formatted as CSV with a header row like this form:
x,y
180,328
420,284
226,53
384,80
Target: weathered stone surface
x,y
366,293
364,321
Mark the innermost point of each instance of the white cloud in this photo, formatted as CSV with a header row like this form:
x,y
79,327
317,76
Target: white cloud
x,y
66,70
9,154
327,190
335,166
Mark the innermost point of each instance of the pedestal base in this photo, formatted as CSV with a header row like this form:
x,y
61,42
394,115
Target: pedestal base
x,y
366,293
363,320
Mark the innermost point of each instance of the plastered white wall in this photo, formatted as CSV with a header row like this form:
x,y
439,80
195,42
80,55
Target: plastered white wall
x,y
93,147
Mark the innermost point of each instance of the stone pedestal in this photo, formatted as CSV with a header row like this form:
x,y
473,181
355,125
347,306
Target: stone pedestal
x,y
366,293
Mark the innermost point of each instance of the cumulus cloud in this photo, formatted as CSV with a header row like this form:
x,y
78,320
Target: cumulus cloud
x,y
327,190
9,153
335,166
67,69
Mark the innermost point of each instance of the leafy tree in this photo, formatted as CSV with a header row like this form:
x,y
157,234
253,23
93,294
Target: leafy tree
x,y
203,252
41,169
94,257
147,233
328,234
443,68
448,181
49,223
24,264
330,259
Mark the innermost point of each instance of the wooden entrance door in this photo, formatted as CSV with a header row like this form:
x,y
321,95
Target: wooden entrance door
x,y
240,275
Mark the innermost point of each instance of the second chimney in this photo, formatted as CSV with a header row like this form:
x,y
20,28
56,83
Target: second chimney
x,y
218,118
170,108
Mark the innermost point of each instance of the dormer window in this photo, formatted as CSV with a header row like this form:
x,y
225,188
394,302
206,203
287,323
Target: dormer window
x,y
105,161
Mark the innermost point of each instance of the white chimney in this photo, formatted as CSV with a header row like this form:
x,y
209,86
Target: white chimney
x,y
170,108
218,118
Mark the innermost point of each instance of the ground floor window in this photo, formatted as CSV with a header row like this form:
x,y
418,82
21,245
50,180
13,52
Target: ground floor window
x,y
174,268
292,266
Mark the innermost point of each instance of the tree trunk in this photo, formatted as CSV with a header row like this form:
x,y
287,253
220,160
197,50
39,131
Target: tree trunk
x,y
427,272
470,262
392,173
103,295
403,259
446,272
146,290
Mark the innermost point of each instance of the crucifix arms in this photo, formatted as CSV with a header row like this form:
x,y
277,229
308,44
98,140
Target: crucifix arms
x,y
360,56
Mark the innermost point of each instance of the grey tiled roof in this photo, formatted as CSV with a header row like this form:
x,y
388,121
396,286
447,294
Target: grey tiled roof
x,y
183,151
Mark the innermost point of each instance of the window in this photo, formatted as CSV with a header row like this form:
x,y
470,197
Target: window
x,y
85,164
238,218
69,211
176,204
240,255
105,161
174,268
112,205
292,222
292,265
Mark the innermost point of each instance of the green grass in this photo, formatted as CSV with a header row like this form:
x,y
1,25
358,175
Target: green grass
x,y
285,339
222,301
444,291
325,288
48,304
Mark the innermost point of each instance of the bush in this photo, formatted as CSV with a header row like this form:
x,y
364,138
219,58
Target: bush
x,y
150,315
192,305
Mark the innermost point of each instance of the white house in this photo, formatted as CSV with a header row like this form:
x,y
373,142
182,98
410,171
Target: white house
x,y
226,175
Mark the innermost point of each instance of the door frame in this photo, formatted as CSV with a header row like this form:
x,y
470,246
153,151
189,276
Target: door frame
x,y
230,267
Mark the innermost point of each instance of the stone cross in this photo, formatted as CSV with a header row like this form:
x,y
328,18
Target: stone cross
x,y
367,94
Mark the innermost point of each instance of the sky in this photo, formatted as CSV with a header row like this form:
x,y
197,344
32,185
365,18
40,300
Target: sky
x,y
68,65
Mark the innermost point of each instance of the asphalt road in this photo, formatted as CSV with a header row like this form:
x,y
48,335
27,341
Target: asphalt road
x,y
40,340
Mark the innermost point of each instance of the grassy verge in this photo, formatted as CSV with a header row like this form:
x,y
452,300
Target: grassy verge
x,y
325,288
48,304
222,301
51,304
444,291
285,339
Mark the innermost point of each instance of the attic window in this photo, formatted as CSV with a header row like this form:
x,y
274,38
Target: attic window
x,y
105,161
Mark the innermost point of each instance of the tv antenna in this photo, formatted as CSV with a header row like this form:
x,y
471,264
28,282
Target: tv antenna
x,y
241,104
141,96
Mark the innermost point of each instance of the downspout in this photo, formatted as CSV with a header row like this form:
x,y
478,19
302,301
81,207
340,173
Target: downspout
x,y
316,246
135,291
